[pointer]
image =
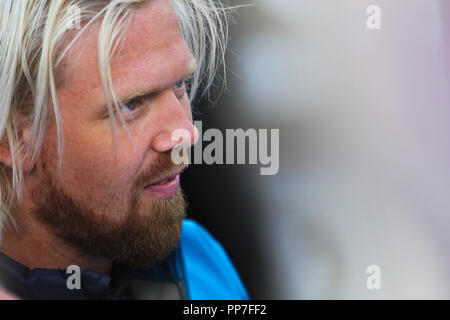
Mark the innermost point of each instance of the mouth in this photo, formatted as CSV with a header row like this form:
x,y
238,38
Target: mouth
x,y
166,187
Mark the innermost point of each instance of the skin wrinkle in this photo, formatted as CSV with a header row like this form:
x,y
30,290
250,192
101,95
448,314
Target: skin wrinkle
x,y
95,212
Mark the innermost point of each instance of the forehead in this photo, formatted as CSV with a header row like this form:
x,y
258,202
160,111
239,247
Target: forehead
x,y
153,53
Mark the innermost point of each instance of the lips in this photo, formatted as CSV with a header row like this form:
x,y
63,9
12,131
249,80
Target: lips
x,y
164,179
164,188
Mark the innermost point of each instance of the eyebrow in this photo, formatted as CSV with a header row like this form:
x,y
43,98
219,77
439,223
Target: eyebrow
x,y
193,65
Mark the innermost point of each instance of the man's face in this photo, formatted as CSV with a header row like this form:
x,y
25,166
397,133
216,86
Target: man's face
x,y
100,202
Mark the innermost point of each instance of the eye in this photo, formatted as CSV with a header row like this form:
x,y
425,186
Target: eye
x,y
130,106
179,84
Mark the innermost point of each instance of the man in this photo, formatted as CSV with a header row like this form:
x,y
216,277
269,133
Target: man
x,y
91,206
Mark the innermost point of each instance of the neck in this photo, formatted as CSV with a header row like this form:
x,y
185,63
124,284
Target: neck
x,y
35,247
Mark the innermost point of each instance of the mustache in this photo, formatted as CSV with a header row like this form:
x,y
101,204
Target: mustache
x,y
161,168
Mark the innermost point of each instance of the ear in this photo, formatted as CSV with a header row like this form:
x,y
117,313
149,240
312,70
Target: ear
x,y
5,152
27,165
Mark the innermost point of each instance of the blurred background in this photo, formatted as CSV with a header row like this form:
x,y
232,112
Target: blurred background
x,y
364,173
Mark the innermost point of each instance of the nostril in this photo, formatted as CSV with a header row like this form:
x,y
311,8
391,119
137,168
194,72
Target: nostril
x,y
181,137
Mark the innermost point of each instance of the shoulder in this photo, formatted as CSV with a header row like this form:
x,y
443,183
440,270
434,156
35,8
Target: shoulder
x,y
209,273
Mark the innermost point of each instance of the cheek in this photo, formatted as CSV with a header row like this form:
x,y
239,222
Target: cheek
x,y
94,170
187,106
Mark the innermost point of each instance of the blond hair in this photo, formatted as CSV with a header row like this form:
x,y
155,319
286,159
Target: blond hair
x,y
33,34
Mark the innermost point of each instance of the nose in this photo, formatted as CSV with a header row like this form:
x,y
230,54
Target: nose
x,y
176,125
